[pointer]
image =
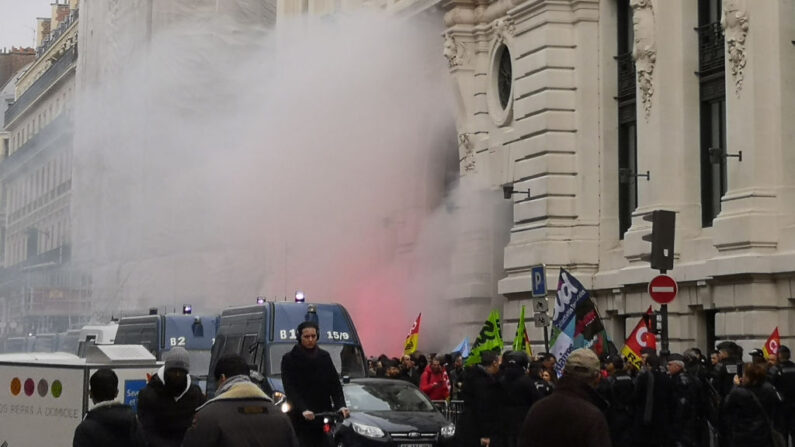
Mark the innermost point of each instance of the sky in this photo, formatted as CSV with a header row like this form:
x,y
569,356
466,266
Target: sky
x,y
18,21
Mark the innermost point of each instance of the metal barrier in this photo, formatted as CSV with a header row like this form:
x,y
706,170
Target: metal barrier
x,y
451,410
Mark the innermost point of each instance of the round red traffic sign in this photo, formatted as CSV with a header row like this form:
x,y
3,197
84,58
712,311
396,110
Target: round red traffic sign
x,y
663,289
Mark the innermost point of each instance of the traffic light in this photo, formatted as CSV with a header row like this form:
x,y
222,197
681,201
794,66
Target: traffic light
x,y
662,239
653,322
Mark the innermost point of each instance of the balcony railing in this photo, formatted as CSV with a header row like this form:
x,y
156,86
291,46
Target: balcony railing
x,y
710,49
57,33
626,76
61,66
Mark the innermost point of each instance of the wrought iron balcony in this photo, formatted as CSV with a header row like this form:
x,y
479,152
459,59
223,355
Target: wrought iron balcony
x,y
42,84
710,49
626,76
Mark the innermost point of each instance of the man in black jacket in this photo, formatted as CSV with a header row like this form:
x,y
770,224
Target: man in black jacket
x,y
653,403
479,424
311,384
240,414
784,381
619,390
573,414
686,404
109,423
167,403
518,394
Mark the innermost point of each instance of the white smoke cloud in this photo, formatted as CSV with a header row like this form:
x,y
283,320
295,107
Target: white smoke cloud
x,y
219,162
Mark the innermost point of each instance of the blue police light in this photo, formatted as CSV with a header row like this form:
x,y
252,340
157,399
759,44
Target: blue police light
x,y
260,300
299,297
187,309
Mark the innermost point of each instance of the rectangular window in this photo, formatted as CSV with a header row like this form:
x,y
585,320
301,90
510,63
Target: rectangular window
x,y
627,120
712,109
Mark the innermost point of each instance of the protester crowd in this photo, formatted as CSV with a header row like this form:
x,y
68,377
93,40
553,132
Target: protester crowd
x,y
509,400
685,400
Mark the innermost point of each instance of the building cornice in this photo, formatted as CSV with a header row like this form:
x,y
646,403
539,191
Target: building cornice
x,y
65,42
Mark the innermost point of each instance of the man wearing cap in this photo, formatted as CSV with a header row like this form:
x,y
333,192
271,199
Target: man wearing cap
x,y
573,414
757,356
167,403
311,384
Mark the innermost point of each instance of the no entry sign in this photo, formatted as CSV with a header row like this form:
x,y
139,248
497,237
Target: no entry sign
x,y
663,289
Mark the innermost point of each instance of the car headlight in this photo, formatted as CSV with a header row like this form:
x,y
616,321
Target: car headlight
x,y
286,407
448,431
367,430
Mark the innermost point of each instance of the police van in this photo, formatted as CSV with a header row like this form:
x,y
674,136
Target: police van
x,y
158,333
263,333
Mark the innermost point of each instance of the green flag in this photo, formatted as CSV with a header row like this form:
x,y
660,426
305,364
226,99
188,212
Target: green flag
x,y
489,339
521,342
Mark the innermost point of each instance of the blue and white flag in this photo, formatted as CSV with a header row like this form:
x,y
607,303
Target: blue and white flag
x,y
575,322
463,347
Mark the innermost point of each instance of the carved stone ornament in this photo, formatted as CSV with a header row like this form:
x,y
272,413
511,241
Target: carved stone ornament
x,y
644,50
468,158
503,28
453,51
735,26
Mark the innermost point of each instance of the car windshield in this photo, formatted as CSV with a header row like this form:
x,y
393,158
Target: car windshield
x,y
385,396
347,359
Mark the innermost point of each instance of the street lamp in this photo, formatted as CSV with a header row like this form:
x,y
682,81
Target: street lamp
x,y
508,191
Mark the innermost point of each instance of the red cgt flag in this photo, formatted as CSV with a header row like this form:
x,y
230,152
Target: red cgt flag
x,y
639,338
772,344
410,346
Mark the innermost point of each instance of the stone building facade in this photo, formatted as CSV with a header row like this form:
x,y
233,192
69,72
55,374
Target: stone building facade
x,y
579,100
39,289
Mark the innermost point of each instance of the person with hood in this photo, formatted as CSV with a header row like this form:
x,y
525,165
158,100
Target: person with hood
x,y
240,414
312,385
109,423
573,414
167,403
434,381
479,425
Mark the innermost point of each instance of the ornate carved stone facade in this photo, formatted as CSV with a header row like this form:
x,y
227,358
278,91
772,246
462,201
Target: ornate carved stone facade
x,y
645,50
735,25
561,142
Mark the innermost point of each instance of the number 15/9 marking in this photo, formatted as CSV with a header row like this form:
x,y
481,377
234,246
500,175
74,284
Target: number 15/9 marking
x,y
285,334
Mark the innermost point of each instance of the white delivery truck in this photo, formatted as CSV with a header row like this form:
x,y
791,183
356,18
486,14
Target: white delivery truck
x,y
44,396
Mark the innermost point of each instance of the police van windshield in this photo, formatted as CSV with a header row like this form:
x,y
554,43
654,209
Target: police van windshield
x,y
347,359
335,327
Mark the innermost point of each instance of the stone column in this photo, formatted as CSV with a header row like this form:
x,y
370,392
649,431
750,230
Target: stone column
x,y
759,123
666,54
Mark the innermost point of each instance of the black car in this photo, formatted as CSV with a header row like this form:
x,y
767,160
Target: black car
x,y
391,413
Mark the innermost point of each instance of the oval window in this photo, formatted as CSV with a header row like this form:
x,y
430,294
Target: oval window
x,y
504,77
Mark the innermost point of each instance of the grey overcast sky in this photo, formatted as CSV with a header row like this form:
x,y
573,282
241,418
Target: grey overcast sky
x,y
18,21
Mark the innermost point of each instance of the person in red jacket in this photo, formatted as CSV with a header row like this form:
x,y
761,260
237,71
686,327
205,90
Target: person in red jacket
x,y
434,382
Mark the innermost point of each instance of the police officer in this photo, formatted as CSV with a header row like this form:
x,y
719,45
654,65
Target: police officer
x,y
686,391
618,390
784,381
708,401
